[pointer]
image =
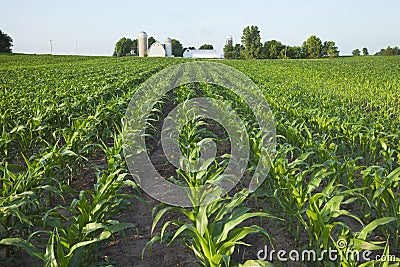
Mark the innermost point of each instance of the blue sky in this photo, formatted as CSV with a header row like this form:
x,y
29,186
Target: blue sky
x,y
97,25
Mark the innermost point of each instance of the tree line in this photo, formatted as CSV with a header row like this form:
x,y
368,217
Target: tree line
x,y
126,46
251,47
389,51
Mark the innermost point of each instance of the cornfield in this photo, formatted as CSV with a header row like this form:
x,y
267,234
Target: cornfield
x,y
65,182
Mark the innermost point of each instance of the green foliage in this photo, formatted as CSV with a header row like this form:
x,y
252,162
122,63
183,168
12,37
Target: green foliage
x,y
274,49
312,47
356,52
124,46
233,52
206,47
6,43
335,174
177,48
389,51
330,49
365,51
251,41
213,230
151,41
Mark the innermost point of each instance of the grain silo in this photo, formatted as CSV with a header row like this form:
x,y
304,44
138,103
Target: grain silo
x,y
229,40
142,43
168,47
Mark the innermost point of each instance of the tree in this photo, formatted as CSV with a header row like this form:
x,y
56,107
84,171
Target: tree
x,y
388,51
381,52
206,47
123,47
177,48
228,51
312,47
356,52
396,51
365,51
151,41
233,52
329,49
294,52
135,46
272,49
251,41
6,42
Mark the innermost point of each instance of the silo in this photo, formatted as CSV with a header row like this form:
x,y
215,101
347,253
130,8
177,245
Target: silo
x,y
142,43
168,47
229,40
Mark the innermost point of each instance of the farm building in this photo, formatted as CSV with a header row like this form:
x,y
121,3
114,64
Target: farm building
x,y
193,53
156,50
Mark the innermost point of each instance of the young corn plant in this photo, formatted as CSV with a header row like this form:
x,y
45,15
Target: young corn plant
x,y
212,231
350,247
72,238
383,196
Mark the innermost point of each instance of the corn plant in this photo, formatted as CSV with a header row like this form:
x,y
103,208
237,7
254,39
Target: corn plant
x,y
212,231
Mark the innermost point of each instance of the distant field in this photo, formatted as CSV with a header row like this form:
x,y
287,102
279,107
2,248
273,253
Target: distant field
x,y
64,191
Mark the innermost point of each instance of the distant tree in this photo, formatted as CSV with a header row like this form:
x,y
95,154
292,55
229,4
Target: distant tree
x,y
388,51
294,52
396,51
251,41
123,47
356,52
228,51
272,49
312,47
151,41
238,50
365,51
381,52
206,47
177,48
6,43
233,52
329,49
135,46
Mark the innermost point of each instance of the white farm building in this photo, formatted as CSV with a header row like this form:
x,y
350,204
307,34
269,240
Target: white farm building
x,y
156,50
193,53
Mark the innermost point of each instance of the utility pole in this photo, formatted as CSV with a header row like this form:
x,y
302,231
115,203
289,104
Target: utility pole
x,y
76,47
51,47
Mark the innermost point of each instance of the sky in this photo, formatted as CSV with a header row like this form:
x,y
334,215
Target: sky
x,y
93,27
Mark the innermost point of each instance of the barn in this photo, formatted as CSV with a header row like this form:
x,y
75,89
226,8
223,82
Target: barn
x,y
193,53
